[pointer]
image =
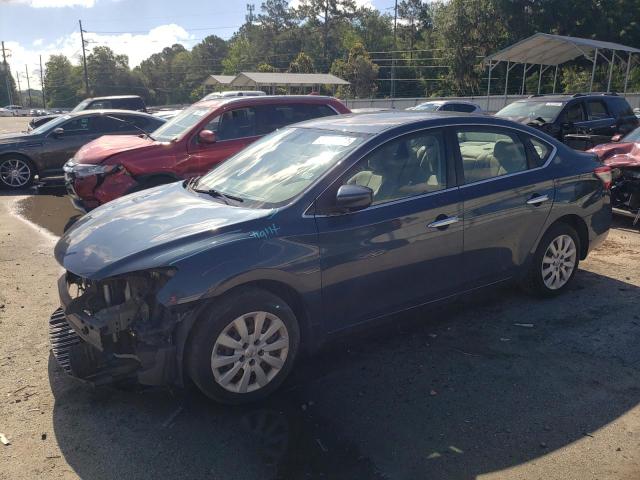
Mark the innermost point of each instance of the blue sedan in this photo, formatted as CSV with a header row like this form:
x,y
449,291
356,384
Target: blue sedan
x,y
311,230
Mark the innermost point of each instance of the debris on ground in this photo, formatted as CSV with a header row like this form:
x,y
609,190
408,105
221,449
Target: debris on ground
x,y
434,455
433,393
4,439
171,418
455,449
322,447
524,325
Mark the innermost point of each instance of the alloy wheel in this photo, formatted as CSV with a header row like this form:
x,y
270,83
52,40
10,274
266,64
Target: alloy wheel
x,y
249,352
558,262
15,172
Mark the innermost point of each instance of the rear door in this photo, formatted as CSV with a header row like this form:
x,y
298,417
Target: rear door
x,y
600,120
403,250
507,195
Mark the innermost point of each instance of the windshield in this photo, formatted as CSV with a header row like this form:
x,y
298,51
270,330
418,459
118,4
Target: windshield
x,y
275,169
81,106
427,107
548,111
50,125
632,136
180,124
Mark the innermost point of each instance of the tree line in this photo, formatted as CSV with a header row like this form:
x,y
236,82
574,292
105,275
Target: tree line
x,y
435,49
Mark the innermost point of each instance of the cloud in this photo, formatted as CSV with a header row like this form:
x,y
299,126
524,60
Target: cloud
x,y
137,46
38,42
55,3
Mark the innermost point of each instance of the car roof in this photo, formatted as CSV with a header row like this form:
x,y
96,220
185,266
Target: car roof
x,y
267,99
565,98
373,123
110,111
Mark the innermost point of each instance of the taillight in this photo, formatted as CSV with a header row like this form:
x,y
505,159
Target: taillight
x,y
604,174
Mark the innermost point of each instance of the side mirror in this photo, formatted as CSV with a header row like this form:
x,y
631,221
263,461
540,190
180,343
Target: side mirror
x,y
207,136
617,137
353,197
58,132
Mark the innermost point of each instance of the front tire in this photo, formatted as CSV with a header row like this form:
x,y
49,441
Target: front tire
x,y
16,172
555,262
243,347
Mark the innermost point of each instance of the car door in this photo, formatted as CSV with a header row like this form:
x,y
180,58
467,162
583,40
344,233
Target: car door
x,y
403,250
600,120
574,119
58,148
507,195
235,128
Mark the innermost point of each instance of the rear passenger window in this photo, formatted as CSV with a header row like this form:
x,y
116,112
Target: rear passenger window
x,y
597,110
278,116
541,152
411,165
490,153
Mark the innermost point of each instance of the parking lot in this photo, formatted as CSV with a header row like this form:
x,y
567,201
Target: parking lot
x,y
495,386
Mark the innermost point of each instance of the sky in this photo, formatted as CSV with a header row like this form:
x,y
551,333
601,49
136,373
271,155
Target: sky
x,y
138,28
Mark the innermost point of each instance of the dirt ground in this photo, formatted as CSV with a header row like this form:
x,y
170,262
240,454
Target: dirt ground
x,y
456,392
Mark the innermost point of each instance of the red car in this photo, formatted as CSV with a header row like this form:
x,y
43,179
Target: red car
x,y
189,145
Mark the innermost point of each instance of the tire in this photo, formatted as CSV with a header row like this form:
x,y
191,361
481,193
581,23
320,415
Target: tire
x,y
550,273
16,172
227,364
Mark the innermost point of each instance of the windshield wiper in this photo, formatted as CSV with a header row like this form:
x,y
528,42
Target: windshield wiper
x,y
146,134
218,194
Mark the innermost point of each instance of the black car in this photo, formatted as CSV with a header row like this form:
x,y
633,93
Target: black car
x,y
44,151
313,229
598,115
115,102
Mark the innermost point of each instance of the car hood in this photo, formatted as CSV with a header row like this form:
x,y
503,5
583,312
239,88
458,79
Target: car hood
x,y
617,155
101,148
150,229
22,137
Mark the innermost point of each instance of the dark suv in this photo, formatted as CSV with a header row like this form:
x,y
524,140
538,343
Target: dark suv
x,y
118,102
599,116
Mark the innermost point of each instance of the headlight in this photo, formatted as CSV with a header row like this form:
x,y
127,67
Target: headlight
x,y
81,170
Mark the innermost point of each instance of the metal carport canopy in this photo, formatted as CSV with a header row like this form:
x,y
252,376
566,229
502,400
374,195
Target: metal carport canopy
x,y
547,49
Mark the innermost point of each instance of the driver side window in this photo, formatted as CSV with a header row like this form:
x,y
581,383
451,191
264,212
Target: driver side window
x,y
410,165
78,126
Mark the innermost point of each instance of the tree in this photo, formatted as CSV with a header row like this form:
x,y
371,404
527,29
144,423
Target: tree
x,y
301,64
6,78
359,71
266,68
62,82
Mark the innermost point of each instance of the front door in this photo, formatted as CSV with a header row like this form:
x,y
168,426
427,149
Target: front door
x,y
507,195
60,148
403,250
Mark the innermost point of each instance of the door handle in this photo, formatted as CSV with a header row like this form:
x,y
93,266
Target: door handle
x,y
443,222
537,200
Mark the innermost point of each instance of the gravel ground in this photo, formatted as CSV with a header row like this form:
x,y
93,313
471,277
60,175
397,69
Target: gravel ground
x,y
457,392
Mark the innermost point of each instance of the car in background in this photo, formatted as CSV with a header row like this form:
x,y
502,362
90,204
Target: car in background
x,y
17,110
598,115
189,145
114,102
234,93
167,114
44,151
38,112
5,112
447,106
636,112
317,228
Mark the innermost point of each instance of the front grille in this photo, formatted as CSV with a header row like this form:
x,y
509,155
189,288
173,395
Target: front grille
x,y
62,338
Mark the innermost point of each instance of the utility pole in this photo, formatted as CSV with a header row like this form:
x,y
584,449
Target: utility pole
x,y
395,48
26,69
249,18
84,59
6,74
44,102
19,89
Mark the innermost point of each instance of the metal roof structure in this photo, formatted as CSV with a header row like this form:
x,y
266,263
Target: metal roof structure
x,y
546,51
275,79
219,80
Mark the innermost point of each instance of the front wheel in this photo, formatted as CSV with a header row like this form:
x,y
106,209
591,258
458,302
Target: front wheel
x,y
555,261
243,347
16,172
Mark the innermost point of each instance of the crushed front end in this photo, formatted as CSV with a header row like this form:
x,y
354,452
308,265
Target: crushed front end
x,y
114,329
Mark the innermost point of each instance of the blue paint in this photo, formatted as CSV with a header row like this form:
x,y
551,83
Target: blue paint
x,y
270,231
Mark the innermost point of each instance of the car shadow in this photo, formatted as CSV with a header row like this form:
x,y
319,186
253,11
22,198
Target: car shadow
x,y
476,386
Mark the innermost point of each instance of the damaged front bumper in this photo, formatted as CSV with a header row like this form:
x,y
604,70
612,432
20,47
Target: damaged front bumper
x,y
112,330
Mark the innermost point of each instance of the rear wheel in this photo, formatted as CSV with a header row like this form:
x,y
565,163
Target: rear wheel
x,y
555,261
16,172
243,347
